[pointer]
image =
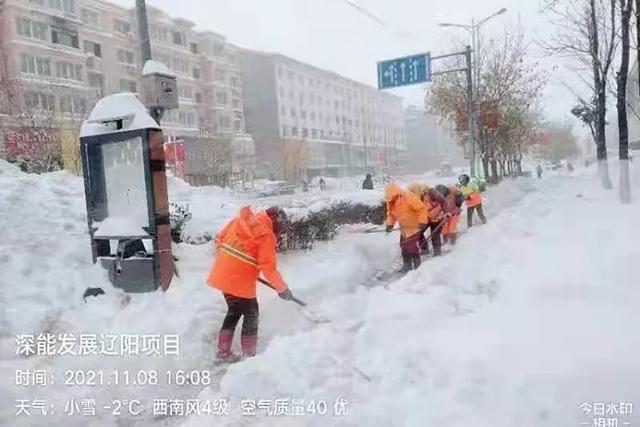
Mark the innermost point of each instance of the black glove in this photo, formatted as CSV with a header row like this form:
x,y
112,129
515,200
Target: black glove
x,y
389,228
286,295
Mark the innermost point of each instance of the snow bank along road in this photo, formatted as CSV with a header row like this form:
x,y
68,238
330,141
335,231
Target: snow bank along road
x,y
528,318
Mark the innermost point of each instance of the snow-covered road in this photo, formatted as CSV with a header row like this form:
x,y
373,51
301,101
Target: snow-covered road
x,y
528,318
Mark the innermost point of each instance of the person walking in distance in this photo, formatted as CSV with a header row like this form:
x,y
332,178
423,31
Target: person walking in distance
x,y
473,197
367,184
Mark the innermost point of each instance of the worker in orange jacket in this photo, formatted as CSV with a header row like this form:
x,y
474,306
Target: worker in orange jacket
x,y
407,209
246,247
438,213
454,200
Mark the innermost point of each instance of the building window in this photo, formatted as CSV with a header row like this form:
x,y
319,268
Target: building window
x,y
301,79
282,92
238,125
93,48
27,64
310,82
180,65
96,80
89,17
285,131
158,33
292,94
73,104
67,6
234,82
294,131
290,75
193,47
186,119
314,133
293,112
178,38
305,132
198,97
196,73
313,116
125,56
125,85
40,101
65,38
43,66
220,75
236,103
185,92
283,111
303,114
221,98
32,29
68,70
121,26
224,122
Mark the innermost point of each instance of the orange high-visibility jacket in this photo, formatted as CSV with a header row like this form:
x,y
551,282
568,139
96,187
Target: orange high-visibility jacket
x,y
436,204
246,247
405,208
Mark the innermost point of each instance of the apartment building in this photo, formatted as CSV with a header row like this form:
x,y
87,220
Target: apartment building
x,y
57,57
309,122
430,143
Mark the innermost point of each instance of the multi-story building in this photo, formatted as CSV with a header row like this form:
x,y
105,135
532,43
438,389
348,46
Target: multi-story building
x,y
308,122
430,143
57,57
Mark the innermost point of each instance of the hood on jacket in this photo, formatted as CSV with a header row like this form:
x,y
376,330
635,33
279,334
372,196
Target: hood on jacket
x,y
251,225
418,188
392,191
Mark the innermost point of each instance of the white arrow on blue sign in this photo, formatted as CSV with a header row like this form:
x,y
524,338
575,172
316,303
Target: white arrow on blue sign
x,y
409,70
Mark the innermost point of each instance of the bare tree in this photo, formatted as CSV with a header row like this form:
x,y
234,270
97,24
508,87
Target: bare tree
x,y
626,8
587,34
510,88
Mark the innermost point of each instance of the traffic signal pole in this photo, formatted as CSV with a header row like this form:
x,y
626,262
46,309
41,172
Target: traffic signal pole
x,y
468,70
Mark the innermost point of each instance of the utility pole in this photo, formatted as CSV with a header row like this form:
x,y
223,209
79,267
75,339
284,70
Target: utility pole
x,y
470,111
143,31
473,112
145,48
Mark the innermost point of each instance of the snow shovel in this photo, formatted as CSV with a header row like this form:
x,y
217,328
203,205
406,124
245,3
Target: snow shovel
x,y
307,313
294,299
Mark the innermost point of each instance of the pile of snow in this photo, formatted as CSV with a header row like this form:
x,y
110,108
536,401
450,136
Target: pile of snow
x,y
125,106
45,254
119,226
9,169
528,319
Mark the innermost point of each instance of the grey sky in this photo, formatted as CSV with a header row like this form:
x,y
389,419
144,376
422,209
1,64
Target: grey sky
x,y
333,35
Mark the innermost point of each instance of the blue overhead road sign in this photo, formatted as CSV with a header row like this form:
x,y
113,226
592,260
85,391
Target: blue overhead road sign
x,y
409,70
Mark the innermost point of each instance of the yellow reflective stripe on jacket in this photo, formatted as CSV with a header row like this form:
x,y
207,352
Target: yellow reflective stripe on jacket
x,y
236,253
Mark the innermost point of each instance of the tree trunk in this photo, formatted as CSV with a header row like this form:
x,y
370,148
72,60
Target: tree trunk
x,y
485,167
621,80
599,87
494,171
638,41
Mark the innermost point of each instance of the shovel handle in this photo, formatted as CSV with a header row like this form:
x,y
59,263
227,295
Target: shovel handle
x,y
294,299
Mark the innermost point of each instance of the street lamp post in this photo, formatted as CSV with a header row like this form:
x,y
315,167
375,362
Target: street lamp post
x,y
474,29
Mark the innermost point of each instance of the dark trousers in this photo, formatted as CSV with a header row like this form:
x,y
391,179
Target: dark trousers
x,y
470,215
237,308
410,248
435,237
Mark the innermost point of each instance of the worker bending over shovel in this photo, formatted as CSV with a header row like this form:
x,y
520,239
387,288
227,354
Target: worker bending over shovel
x,y
246,247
